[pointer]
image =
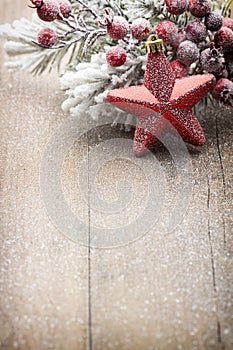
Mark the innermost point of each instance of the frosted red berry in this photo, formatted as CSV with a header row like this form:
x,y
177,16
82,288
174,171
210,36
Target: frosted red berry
x,y
140,28
199,8
116,56
196,31
47,37
211,59
37,3
180,69
187,52
176,7
48,10
213,21
224,38
223,91
65,8
228,22
118,28
167,31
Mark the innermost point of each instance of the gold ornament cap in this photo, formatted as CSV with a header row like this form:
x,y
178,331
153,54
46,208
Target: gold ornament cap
x,y
154,44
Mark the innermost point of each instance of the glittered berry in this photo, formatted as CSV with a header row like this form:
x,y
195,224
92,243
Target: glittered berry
x,y
167,31
213,21
118,28
179,68
211,59
140,28
65,8
48,10
36,3
47,37
224,38
223,91
196,31
199,8
116,56
176,7
228,22
187,52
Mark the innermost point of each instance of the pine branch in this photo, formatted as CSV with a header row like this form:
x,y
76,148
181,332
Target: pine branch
x,y
82,42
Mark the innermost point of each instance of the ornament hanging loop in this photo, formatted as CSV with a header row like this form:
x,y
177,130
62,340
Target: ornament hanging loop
x,y
154,44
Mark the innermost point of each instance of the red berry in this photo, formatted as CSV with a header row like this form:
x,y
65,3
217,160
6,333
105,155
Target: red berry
x,y
37,3
228,22
196,31
47,37
140,28
199,8
213,21
187,52
223,91
176,7
211,59
180,69
48,10
224,38
116,56
118,28
65,8
167,31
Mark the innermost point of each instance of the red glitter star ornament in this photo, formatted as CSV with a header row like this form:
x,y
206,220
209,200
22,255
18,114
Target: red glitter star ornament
x,y
162,97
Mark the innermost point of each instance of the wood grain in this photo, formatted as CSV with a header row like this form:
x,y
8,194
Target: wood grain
x,y
162,291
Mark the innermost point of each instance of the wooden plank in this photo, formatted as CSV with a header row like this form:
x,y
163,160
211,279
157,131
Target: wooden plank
x,y
158,291
168,291
44,275
220,222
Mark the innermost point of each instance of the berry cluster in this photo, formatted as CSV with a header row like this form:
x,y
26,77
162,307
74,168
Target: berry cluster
x,y
206,41
49,11
117,29
204,44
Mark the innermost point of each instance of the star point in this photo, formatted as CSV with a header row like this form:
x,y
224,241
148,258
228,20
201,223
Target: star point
x,y
163,96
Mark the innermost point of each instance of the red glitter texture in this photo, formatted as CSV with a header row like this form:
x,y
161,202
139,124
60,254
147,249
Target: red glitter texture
x,y
163,97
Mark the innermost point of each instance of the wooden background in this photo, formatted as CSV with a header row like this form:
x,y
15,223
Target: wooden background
x,y
161,292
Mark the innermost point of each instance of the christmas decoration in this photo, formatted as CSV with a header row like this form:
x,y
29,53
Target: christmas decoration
x,y
176,7
168,32
187,52
196,31
117,26
200,8
211,59
223,91
116,56
140,29
213,21
47,37
65,9
228,22
224,38
163,96
86,32
47,10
